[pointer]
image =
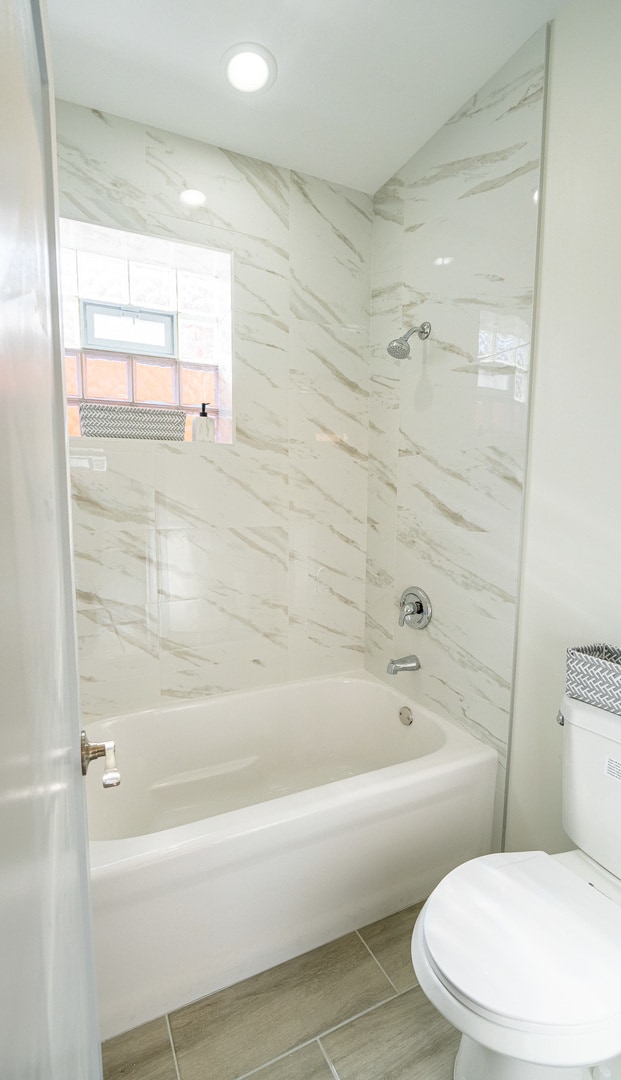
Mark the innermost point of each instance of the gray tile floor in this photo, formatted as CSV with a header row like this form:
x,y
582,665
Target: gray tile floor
x,y
350,1010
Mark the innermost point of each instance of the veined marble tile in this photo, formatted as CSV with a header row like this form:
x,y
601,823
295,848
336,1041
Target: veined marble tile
x,y
325,216
228,616
119,665
100,157
260,330
213,561
388,205
378,628
445,689
387,299
328,480
197,673
223,511
462,261
112,482
473,496
209,484
329,379
448,401
99,211
328,421
257,253
261,395
326,289
468,644
113,563
381,508
387,255
491,133
261,303
474,567
243,194
326,596
466,205
202,642
514,90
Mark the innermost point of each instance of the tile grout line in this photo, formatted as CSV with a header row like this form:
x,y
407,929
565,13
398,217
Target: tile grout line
x,y
322,1034
279,1057
172,1047
371,953
329,1061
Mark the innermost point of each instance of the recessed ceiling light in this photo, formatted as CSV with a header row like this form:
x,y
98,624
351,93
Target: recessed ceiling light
x,y
192,197
249,67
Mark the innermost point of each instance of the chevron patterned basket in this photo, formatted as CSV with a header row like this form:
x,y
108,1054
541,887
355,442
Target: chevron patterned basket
x,y
131,422
594,675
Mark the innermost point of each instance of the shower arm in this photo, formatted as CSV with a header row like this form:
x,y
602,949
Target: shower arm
x,y
423,332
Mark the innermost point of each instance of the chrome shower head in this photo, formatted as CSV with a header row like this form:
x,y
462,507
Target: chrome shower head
x,y
400,347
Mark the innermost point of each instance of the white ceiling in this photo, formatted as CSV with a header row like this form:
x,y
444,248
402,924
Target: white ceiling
x,y
361,85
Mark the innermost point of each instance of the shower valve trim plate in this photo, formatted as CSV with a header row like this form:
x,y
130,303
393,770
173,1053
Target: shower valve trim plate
x,y
414,608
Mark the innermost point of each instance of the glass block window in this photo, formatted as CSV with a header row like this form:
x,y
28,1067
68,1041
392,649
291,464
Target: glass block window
x,y
146,322
106,378
126,379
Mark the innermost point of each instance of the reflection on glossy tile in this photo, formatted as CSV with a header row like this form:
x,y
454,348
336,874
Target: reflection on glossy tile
x,y
228,1034
405,1039
242,193
390,940
142,1054
307,1063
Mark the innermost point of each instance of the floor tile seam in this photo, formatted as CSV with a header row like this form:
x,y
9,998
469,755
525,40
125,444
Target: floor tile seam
x,y
320,1036
329,1061
380,966
279,1057
365,1012
172,1046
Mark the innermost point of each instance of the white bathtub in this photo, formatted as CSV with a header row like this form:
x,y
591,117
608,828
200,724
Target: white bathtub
x,y
251,827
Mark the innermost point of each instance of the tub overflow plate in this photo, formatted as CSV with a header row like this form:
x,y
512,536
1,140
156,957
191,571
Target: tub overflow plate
x,y
405,715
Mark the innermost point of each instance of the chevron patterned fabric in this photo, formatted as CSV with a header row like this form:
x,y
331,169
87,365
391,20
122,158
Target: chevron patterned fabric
x,y
594,675
131,422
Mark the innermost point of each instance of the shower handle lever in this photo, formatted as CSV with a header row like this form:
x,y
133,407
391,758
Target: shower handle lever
x,y
90,751
409,609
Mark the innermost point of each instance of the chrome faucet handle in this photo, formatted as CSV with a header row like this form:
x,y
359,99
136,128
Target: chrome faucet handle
x,y
414,608
405,612
90,751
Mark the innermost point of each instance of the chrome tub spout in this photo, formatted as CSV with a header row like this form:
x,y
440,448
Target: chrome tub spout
x,y
405,663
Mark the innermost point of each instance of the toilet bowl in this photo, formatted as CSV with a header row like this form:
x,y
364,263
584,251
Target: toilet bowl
x,y
521,952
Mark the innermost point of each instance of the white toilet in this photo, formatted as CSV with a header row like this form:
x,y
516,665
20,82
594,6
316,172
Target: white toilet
x,y
521,951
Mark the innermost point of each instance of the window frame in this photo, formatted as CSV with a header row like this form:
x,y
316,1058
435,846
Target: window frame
x,y
90,308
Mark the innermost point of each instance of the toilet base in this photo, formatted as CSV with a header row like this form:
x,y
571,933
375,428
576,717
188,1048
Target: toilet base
x,y
476,1062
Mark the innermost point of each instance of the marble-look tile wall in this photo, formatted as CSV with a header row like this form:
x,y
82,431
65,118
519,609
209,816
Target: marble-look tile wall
x,y
202,568
454,243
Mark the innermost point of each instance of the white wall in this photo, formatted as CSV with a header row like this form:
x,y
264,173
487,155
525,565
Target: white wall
x,y
570,590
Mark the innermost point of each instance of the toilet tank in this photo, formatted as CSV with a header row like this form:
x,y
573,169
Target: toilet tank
x,y
592,781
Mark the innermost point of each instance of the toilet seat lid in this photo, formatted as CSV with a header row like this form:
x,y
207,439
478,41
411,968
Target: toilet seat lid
x,y
519,938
